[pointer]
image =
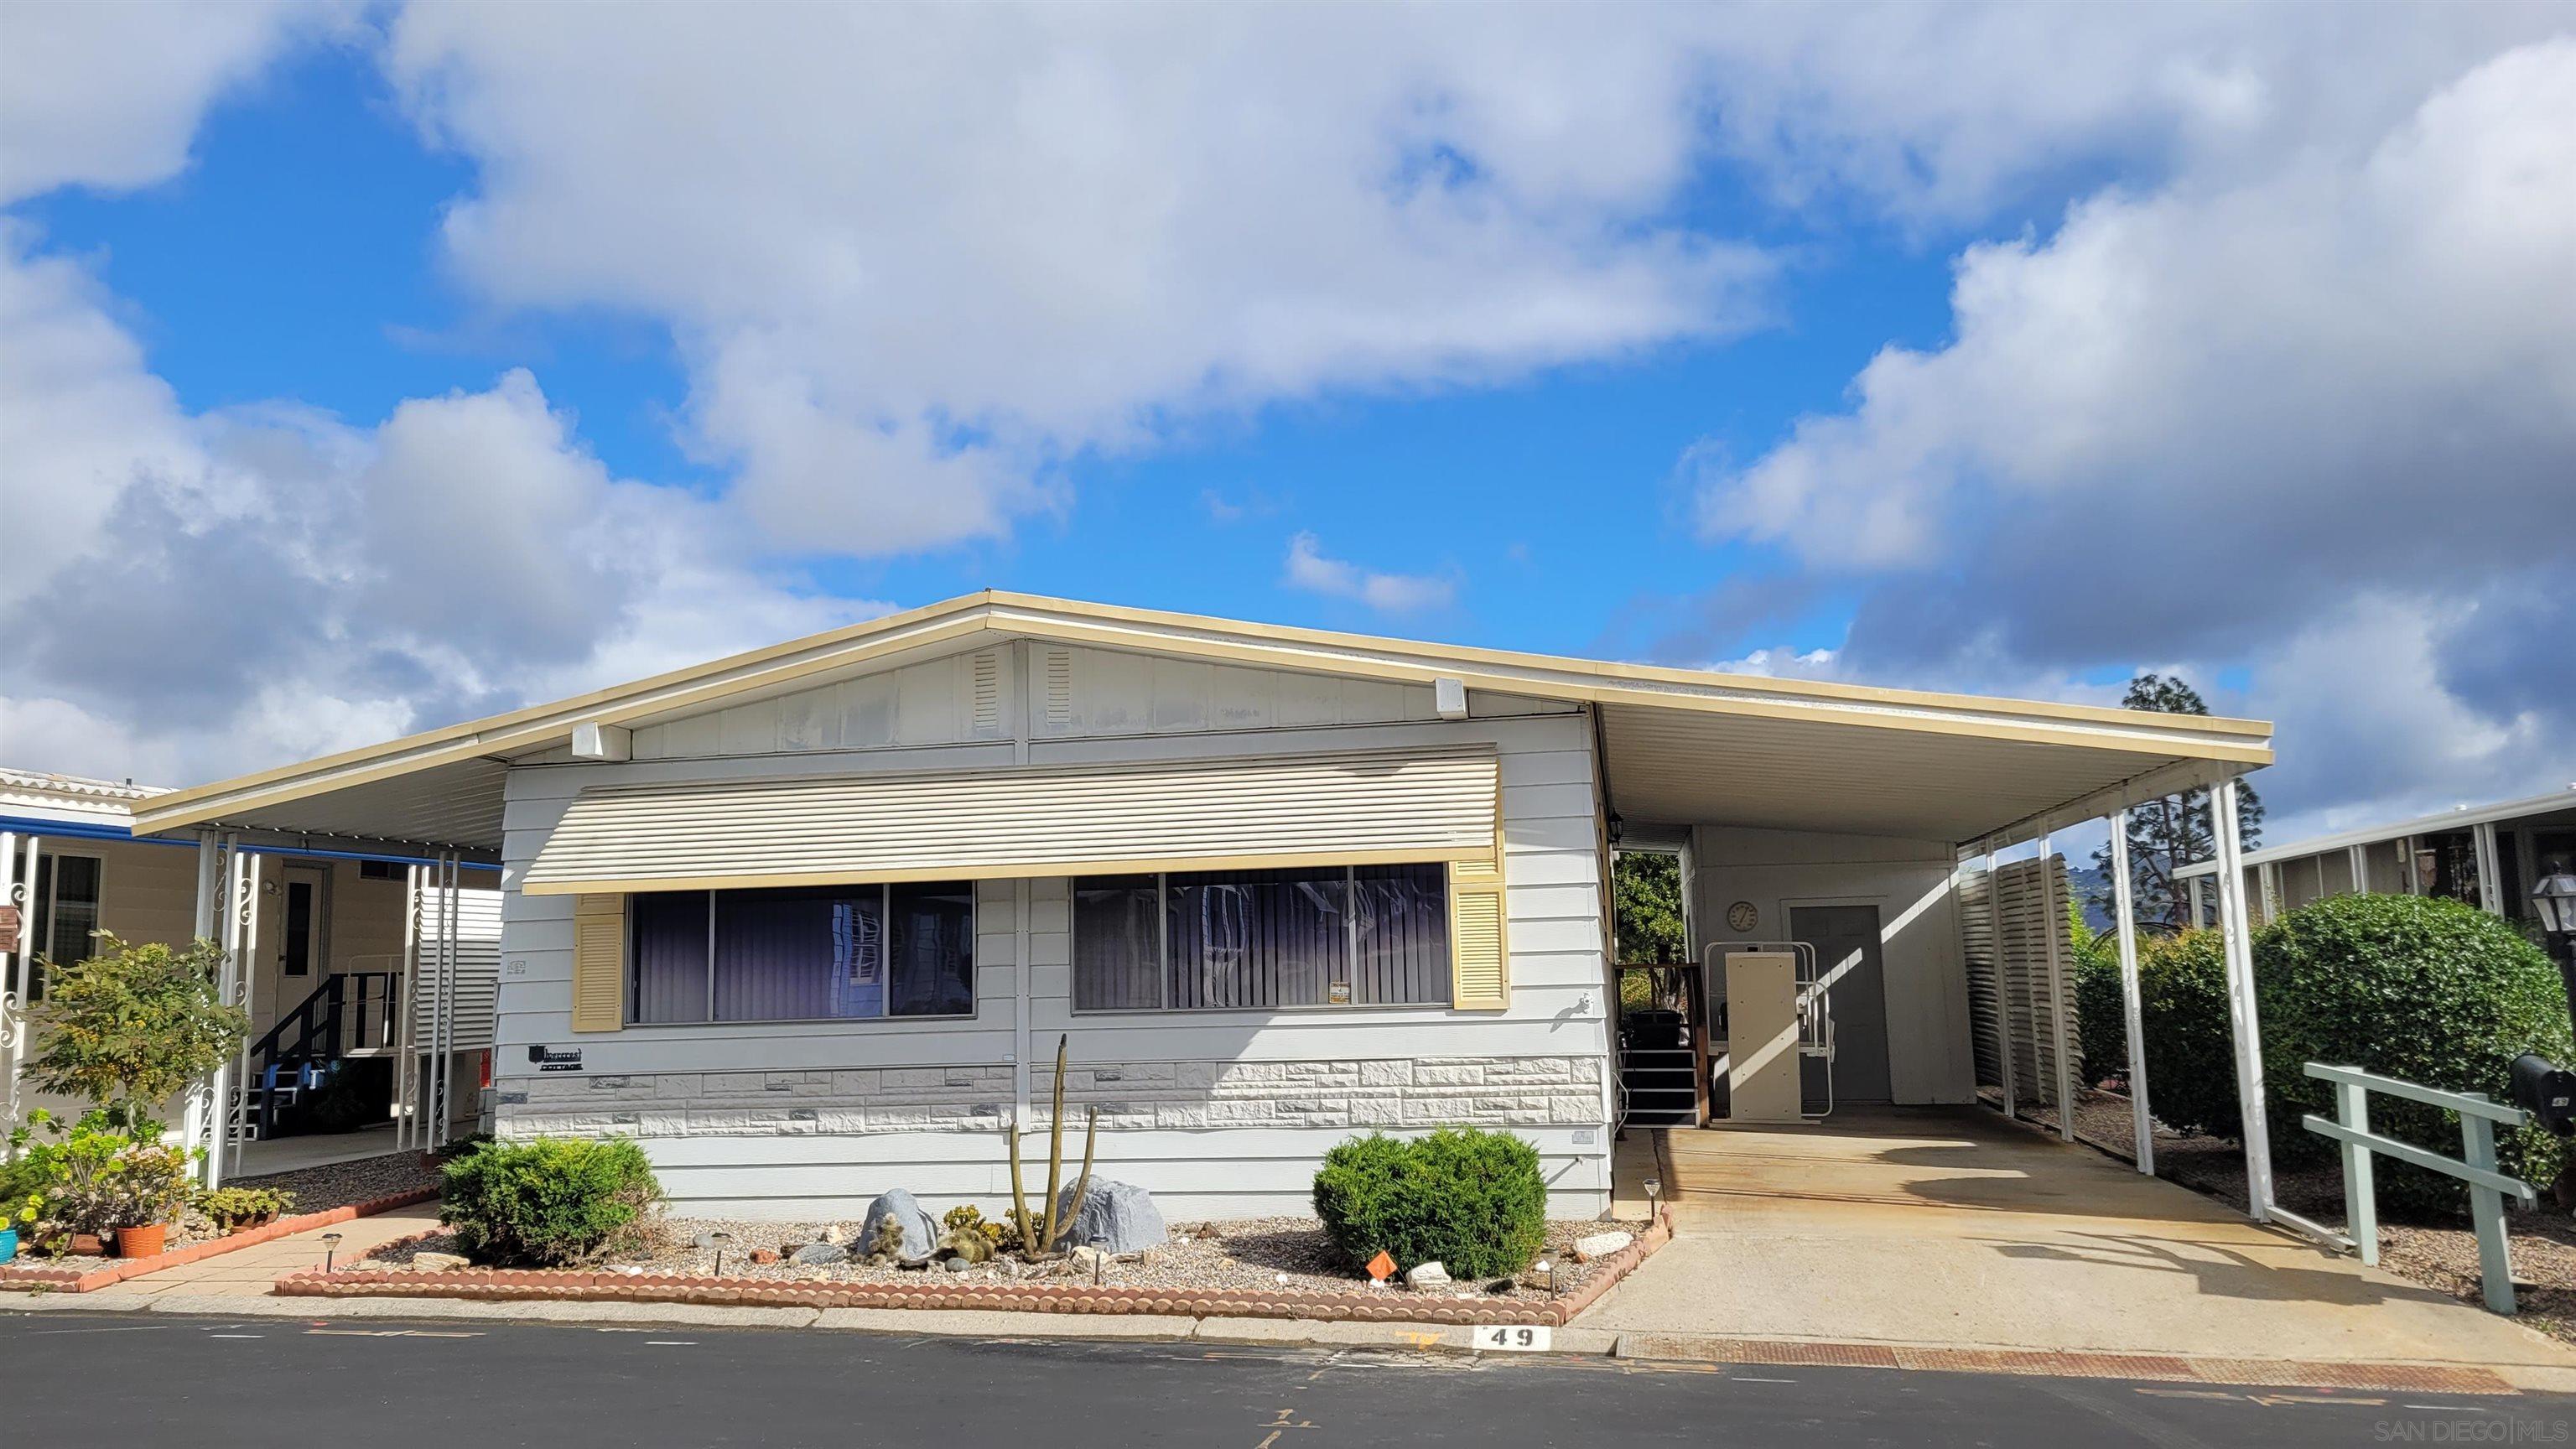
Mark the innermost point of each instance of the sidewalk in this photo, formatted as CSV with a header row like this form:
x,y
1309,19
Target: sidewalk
x,y
250,1272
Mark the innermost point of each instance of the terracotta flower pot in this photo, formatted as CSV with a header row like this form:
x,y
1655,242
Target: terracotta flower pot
x,y
87,1245
143,1241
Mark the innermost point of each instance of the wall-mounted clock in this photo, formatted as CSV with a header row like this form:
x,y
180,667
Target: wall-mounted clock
x,y
1741,918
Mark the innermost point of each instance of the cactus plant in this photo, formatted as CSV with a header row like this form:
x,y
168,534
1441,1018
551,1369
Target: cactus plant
x,y
1038,1234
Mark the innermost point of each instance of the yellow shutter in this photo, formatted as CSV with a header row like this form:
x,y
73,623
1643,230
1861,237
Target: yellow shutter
x,y
599,963
1480,971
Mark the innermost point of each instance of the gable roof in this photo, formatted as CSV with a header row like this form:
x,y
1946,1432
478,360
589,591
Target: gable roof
x,y
442,786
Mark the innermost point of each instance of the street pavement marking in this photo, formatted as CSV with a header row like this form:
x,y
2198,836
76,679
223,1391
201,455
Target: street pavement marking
x,y
236,1335
670,1343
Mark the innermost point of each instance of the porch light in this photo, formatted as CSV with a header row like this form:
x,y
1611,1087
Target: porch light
x,y
2555,896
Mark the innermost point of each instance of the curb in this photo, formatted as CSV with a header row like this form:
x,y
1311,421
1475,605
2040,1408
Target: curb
x,y
573,1285
2149,1367
118,1270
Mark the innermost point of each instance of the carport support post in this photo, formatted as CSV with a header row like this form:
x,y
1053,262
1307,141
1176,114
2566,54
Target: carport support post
x,y
192,1110
2053,921
2003,1000
2124,915
2242,1023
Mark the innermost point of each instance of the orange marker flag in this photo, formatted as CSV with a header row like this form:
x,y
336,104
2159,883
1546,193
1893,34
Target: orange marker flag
x,y
1381,1267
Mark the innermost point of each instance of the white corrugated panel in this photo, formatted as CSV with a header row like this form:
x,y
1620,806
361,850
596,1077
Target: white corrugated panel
x,y
1360,808
1977,949
2034,909
477,968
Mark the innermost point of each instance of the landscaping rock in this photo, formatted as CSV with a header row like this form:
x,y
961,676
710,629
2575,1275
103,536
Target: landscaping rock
x,y
1426,1275
832,1233
958,1265
439,1262
815,1254
1117,1216
765,1256
920,1230
1601,1245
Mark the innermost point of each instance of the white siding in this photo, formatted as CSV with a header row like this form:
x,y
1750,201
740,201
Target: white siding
x,y
1556,1014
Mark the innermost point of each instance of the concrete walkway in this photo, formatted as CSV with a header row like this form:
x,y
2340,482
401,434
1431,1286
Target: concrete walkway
x,y
249,1272
1957,1229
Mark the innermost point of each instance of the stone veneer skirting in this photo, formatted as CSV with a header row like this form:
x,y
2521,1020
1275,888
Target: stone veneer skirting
x,y
1545,1091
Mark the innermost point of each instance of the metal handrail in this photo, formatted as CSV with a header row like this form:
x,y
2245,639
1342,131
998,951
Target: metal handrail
x,y
2476,1166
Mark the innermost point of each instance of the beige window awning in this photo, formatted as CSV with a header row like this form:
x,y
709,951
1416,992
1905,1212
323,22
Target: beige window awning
x,y
1348,809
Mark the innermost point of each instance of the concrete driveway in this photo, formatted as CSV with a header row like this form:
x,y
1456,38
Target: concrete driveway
x,y
1951,1228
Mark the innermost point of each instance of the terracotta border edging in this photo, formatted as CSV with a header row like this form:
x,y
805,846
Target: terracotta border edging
x,y
117,1270
574,1285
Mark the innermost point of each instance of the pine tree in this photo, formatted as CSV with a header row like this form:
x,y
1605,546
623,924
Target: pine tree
x,y
2175,830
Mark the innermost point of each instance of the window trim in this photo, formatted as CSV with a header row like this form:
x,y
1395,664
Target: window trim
x,y
1163,946
38,928
883,1019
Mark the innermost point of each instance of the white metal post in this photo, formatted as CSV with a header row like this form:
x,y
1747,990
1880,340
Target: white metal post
x,y
2361,870
192,1108
2490,889
18,889
2052,921
2199,902
2124,919
2003,994
2243,1024
2268,877
406,1026
239,899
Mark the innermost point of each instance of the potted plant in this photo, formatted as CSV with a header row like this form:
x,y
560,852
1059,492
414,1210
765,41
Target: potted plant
x,y
148,1184
21,1212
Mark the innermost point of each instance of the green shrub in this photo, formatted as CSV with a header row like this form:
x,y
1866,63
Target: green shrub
x,y
1472,1201
2101,1026
2191,1057
2416,987
549,1200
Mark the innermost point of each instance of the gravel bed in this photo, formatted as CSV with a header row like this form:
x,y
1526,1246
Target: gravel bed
x,y
341,1184
2440,1255
1247,1254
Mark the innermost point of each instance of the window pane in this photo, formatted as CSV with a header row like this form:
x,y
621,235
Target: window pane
x,y
670,955
800,955
299,928
75,908
933,935
1402,920
1117,944
1256,938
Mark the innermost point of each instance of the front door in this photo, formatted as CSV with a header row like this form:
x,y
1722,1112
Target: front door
x,y
1848,957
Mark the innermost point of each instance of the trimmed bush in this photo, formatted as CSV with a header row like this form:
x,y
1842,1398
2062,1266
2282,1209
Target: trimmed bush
x,y
549,1200
1472,1201
2191,1063
2415,987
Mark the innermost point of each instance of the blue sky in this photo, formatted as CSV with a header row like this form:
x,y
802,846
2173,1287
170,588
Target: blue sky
x,y
2029,352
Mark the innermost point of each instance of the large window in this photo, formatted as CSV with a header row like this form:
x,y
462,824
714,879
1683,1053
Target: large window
x,y
1372,935
817,953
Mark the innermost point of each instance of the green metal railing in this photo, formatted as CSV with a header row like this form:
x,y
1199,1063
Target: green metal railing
x,y
2488,1188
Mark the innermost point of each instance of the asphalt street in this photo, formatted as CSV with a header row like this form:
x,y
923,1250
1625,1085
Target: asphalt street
x,y
73,1379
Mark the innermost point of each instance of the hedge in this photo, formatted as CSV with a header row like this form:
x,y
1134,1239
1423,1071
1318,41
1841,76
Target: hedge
x,y
549,1200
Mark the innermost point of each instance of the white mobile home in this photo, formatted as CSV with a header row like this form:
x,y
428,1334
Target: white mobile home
x,y
810,922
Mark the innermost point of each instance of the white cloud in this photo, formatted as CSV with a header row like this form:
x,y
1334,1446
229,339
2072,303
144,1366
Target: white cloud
x,y
193,595
1309,569
110,95
915,259
2317,420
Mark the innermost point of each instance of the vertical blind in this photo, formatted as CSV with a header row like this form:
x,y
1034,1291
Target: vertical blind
x,y
812,953
1201,941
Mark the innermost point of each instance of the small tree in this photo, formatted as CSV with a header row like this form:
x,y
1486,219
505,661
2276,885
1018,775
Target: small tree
x,y
1646,892
133,1025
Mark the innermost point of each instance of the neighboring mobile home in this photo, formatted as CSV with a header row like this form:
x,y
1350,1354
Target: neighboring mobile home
x,y
2489,856
329,939
809,922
